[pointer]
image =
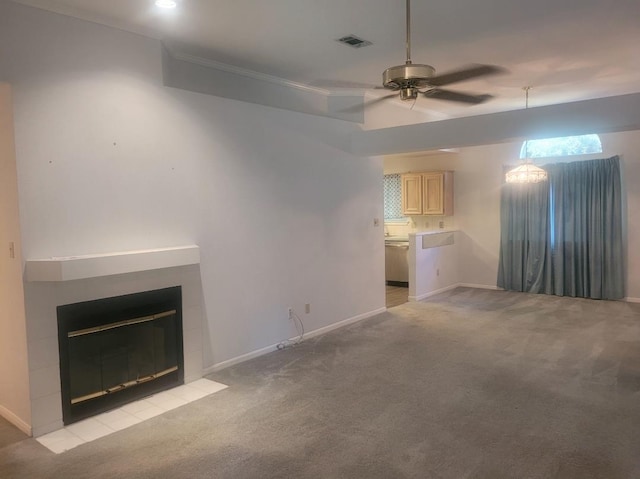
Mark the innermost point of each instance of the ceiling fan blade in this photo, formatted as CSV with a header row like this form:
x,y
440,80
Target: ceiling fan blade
x,y
467,73
449,95
362,106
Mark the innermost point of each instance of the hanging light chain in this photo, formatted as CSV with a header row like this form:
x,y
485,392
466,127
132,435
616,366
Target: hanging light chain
x,y
526,107
527,172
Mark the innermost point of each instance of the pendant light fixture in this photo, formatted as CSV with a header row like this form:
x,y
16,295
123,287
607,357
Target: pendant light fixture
x,y
166,4
527,172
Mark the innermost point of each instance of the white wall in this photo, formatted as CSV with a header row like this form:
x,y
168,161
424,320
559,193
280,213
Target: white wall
x,y
440,160
627,145
478,180
110,160
14,382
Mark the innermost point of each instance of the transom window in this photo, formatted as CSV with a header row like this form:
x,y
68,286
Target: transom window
x,y
561,146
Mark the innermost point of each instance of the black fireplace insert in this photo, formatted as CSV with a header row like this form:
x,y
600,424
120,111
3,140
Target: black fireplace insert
x,y
116,350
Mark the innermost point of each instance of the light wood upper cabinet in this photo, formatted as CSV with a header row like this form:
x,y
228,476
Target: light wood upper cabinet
x,y
428,193
412,194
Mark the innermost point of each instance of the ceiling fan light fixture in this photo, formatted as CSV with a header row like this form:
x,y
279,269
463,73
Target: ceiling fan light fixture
x,y
409,74
408,93
412,79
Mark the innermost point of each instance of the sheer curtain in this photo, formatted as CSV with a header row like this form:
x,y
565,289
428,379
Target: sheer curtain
x,y
564,236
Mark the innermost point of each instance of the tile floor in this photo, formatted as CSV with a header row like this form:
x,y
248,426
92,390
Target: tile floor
x,y
127,415
397,295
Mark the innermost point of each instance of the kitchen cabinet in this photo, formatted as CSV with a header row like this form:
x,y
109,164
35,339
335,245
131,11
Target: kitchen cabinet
x,y
412,194
427,193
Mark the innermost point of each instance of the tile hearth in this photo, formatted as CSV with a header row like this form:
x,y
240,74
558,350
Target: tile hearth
x,y
133,413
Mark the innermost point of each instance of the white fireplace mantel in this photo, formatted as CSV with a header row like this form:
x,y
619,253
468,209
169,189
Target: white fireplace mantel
x,y
53,282
70,268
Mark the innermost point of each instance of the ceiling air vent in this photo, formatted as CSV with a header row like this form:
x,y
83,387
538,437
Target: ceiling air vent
x,y
354,41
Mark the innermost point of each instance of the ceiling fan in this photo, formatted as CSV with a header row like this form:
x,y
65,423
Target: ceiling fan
x,y
412,79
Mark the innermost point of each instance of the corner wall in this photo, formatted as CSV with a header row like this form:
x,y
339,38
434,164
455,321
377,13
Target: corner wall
x,y
14,379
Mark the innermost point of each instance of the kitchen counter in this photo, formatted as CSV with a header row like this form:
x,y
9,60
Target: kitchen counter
x,y
433,232
433,262
396,238
434,239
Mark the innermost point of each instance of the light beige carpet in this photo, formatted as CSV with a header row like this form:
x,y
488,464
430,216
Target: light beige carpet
x,y
470,384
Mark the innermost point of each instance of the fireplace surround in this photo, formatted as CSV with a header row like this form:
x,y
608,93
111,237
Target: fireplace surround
x,y
115,350
81,279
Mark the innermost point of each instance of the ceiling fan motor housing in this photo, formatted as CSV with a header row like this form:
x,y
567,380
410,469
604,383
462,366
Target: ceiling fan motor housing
x,y
407,76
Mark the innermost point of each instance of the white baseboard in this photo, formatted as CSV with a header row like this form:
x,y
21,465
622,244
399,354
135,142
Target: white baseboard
x,y
454,286
480,286
345,322
274,347
632,300
433,293
238,359
15,420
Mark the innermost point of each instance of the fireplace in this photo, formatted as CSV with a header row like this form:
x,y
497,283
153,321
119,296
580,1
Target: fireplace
x,y
115,350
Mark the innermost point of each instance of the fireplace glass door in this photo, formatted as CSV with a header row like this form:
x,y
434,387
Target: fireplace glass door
x,y
115,350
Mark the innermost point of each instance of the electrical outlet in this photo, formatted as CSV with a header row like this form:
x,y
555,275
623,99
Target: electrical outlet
x,y
441,224
12,250
438,272
290,311
376,222
307,308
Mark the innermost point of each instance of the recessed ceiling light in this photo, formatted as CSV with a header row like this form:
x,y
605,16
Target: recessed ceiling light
x,y
166,4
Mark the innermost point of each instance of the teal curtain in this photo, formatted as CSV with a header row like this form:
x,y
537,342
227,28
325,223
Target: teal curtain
x,y
586,214
564,236
524,237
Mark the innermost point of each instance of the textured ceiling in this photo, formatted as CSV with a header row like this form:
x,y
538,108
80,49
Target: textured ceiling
x,y
566,50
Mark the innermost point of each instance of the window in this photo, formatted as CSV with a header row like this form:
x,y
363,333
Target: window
x,y
561,146
392,197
